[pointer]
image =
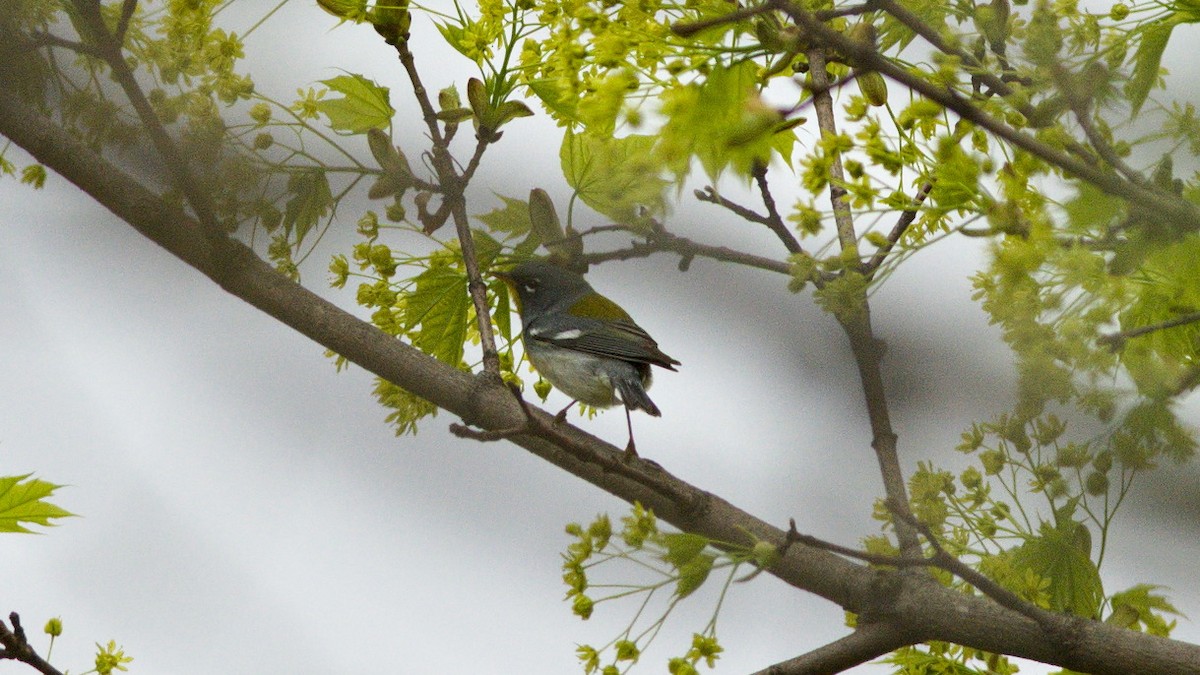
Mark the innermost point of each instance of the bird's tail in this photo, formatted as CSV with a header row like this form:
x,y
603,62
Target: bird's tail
x,y
634,396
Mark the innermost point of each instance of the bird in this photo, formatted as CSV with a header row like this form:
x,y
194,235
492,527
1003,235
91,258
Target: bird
x,y
584,344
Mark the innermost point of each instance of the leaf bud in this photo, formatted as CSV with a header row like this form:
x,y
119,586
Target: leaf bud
x,y
873,87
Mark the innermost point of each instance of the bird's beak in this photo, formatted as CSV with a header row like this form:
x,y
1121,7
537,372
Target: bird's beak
x,y
511,283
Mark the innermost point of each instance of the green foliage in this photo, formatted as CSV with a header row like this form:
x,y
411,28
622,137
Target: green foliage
x,y
110,657
23,502
678,561
310,200
364,106
943,658
511,220
721,121
1142,609
616,177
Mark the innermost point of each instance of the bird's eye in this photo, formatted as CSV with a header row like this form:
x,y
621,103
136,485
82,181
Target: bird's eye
x,y
531,285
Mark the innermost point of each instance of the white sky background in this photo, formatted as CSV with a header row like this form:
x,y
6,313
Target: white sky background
x,y
245,509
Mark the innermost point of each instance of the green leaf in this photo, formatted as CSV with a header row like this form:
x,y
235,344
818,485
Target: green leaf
x,y
407,408
615,176
346,10
1139,605
501,311
511,220
455,115
1092,208
309,202
561,105
477,96
693,574
1147,61
364,106
510,110
21,501
457,37
722,122
1058,556
35,175
682,547
437,311
486,248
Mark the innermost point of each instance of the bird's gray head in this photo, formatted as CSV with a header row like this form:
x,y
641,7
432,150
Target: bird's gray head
x,y
542,287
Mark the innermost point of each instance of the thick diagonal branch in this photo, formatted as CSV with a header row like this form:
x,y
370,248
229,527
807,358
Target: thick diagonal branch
x,y
865,643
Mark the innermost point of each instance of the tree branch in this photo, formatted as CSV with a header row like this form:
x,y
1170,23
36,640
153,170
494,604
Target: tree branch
x,y
823,105
1115,341
710,195
16,647
773,219
863,343
665,242
454,186
868,641
906,218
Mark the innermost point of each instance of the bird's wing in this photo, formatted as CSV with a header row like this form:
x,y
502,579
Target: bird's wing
x,y
621,339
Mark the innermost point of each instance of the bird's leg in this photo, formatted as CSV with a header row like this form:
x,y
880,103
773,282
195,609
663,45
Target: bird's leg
x,y
630,449
562,414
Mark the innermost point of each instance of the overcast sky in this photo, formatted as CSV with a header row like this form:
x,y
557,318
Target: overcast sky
x,y
246,509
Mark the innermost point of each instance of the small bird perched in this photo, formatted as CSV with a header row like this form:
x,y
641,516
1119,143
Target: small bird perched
x,y
584,343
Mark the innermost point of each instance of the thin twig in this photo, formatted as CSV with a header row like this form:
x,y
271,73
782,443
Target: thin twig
x,y
940,559
690,28
38,40
1004,597
773,220
827,122
930,34
665,242
127,10
16,647
710,195
454,187
906,218
1115,341
1079,107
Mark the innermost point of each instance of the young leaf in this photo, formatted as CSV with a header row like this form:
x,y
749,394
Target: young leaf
x,y
1148,60
22,501
543,217
1140,605
477,96
439,306
615,176
682,548
1058,555
364,106
511,220
693,574
721,122
309,202
346,10
486,248
458,37
562,106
